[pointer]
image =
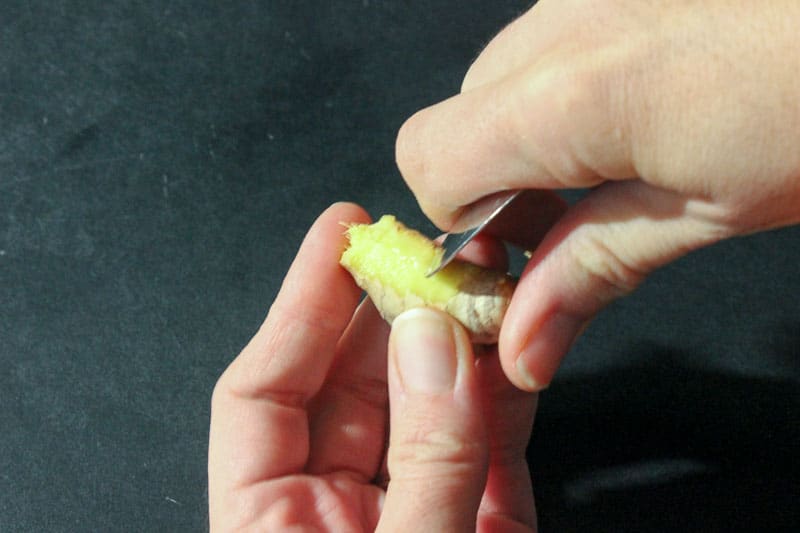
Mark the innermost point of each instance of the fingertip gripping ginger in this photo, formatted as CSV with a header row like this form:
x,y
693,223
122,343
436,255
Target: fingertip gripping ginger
x,y
390,262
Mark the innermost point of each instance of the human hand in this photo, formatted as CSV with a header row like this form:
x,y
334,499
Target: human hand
x,y
299,420
682,116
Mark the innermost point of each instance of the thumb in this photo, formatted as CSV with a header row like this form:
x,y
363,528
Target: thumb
x,y
601,249
438,451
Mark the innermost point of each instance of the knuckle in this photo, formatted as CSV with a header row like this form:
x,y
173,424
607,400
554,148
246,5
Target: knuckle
x,y
474,76
562,96
425,452
370,392
569,81
609,275
419,157
222,390
408,152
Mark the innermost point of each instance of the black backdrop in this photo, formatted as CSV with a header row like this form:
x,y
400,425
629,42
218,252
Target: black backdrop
x,y
159,164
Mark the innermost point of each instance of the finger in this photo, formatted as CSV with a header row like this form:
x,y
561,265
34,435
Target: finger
x,y
509,412
258,419
438,446
528,218
600,250
349,416
523,223
555,124
483,250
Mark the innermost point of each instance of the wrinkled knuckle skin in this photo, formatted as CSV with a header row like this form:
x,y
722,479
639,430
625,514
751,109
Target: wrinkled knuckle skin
x,y
609,276
425,450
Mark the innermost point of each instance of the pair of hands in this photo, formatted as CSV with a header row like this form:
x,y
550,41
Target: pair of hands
x,y
682,117
301,438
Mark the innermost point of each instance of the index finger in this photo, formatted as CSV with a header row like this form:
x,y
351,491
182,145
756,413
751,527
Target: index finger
x,y
558,121
528,131
259,426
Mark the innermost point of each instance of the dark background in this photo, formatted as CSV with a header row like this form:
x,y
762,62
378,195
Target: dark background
x,y
159,165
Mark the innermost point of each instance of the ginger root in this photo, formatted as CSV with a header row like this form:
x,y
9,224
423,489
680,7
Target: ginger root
x,y
390,262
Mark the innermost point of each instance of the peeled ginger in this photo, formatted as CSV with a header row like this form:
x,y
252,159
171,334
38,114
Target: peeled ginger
x,y
390,262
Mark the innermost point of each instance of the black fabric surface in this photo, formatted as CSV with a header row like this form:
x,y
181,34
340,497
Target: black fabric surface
x,y
159,165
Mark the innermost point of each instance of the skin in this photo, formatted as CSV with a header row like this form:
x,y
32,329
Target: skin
x,y
681,116
298,437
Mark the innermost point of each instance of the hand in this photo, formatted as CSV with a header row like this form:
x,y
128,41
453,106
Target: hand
x,y
298,434
683,117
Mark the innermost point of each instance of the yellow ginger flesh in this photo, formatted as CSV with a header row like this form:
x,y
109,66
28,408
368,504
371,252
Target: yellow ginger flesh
x,y
390,262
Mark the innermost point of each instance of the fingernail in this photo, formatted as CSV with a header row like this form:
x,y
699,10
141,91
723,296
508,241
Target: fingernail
x,y
424,348
539,358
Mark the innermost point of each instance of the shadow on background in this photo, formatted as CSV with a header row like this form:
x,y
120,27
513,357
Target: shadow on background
x,y
663,447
